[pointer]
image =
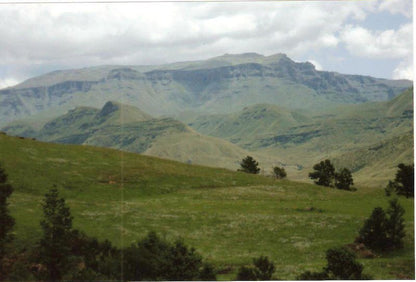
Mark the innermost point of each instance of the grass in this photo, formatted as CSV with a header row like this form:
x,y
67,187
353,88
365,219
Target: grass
x,y
228,217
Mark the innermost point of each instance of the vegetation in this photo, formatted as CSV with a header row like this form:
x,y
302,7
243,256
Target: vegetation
x,y
324,173
6,221
262,270
341,264
279,172
384,230
249,165
228,217
343,179
403,184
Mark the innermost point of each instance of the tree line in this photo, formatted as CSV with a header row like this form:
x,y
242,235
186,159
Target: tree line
x,y
324,174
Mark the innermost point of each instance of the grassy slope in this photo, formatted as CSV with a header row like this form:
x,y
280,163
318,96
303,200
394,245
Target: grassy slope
x,y
229,217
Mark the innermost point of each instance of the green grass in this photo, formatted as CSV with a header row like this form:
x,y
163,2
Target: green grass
x,y
228,217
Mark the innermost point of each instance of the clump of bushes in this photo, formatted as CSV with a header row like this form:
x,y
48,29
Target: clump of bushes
x,y
262,269
341,264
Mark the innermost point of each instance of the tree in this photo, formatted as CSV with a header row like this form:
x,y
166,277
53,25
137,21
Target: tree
x,y
263,268
383,231
395,225
343,179
6,221
279,172
249,165
373,233
405,180
55,247
324,173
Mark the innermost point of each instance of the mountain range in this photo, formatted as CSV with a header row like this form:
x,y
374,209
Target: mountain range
x,y
215,112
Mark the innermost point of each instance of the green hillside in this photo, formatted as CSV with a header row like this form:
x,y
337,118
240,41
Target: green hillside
x,y
128,128
229,217
302,138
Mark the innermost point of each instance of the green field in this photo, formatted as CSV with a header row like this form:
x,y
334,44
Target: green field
x,y
229,217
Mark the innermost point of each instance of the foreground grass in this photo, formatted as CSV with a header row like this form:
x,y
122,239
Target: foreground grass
x,y
228,217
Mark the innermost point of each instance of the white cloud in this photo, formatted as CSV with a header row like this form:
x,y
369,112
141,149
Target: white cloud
x,y
379,44
77,35
317,65
404,70
403,7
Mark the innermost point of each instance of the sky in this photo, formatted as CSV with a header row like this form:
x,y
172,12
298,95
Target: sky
x,y
367,37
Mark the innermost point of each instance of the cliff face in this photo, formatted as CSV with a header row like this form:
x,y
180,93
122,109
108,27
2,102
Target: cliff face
x,y
220,85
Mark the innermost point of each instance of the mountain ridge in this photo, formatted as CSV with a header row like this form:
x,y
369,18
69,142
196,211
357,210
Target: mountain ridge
x,y
231,83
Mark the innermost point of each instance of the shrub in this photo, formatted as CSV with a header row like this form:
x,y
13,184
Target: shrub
x,y
279,172
341,264
262,270
343,179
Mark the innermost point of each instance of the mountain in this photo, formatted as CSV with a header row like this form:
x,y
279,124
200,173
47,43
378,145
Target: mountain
x,y
219,85
128,128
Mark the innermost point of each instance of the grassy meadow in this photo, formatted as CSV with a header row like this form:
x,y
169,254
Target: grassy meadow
x,y
229,217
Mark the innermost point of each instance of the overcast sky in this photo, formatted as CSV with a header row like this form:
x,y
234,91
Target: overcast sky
x,y
373,37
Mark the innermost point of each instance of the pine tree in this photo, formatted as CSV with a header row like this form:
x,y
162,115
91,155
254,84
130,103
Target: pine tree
x,y
395,225
6,221
55,248
249,165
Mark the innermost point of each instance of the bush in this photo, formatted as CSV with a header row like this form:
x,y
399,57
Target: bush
x,y
341,264
343,179
153,258
279,172
262,270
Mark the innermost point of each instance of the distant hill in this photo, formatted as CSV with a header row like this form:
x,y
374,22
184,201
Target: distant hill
x,y
302,138
218,85
128,128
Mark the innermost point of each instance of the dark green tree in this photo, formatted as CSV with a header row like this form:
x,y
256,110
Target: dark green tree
x,y
279,172
343,179
263,268
341,265
395,225
373,234
384,230
6,221
249,165
405,180
324,173
55,248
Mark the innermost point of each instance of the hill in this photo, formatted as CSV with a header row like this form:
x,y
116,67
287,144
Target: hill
x,y
229,217
128,128
302,138
218,85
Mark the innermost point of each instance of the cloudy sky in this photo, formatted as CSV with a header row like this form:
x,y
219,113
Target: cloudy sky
x,y
372,37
